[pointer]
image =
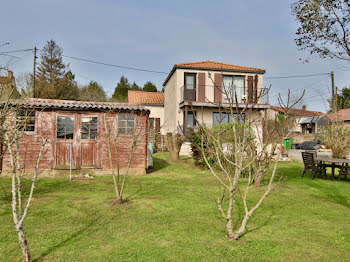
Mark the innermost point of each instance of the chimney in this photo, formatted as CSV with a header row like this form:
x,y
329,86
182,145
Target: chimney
x,y
304,108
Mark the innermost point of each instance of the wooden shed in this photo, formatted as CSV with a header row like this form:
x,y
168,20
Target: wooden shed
x,y
77,135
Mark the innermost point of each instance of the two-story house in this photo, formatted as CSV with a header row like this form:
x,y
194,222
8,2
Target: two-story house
x,y
199,91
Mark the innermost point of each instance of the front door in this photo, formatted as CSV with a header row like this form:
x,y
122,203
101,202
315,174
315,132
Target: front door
x,y
76,141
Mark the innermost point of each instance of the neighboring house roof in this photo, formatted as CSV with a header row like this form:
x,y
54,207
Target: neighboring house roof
x,y
312,119
297,112
214,66
341,115
142,97
76,105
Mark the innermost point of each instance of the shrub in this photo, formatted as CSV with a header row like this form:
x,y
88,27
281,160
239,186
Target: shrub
x,y
336,136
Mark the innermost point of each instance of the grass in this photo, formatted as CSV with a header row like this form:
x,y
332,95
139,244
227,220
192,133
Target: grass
x,y
170,215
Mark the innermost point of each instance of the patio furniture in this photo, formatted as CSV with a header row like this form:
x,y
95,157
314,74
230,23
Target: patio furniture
x,y
344,171
334,163
310,164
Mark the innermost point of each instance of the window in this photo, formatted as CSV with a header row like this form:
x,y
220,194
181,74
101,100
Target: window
x,y
232,88
26,120
226,118
89,127
65,127
190,81
191,121
126,123
151,123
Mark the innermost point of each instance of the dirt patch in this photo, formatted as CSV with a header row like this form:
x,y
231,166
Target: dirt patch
x,y
42,199
78,198
155,197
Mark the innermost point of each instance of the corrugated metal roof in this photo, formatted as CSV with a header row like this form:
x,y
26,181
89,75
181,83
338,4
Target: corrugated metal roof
x,y
145,97
78,105
312,119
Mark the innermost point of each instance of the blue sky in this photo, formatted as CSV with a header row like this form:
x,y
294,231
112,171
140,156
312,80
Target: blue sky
x,y
155,35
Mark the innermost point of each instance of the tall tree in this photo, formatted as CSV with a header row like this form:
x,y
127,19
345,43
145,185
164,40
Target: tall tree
x,y
135,87
121,90
149,87
50,71
343,99
93,92
323,27
67,88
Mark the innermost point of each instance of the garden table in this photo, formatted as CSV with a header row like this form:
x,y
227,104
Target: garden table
x,y
332,162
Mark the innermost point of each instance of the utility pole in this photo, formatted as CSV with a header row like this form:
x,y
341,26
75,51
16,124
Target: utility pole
x,y
34,67
333,93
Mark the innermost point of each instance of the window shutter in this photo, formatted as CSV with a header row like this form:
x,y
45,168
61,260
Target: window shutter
x,y
256,89
250,89
157,125
201,87
217,88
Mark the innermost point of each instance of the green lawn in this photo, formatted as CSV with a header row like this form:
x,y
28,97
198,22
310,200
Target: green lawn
x,y
171,216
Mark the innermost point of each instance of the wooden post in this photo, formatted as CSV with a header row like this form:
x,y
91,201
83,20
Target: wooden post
x,y
333,99
34,67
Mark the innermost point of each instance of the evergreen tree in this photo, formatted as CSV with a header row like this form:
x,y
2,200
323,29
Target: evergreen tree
x,y
51,74
67,88
135,87
93,92
149,87
121,90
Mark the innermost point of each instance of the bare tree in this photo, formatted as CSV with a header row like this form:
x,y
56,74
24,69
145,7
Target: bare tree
x,y
114,141
239,155
12,134
174,143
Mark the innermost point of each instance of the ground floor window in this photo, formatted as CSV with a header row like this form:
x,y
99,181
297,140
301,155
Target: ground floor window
x,y
89,127
221,118
26,120
126,123
191,121
65,127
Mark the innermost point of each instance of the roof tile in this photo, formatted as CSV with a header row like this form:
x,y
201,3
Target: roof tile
x,y
143,97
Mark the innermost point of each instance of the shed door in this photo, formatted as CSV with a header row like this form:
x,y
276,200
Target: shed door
x,y
88,140
66,148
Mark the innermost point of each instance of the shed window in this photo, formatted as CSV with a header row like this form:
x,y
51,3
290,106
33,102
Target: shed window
x,y
26,120
89,128
65,127
126,123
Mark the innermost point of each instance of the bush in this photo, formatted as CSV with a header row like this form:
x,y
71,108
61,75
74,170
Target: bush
x,y
336,136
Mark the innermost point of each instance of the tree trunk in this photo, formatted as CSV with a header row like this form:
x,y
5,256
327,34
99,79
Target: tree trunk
x,y
174,143
240,231
24,245
257,182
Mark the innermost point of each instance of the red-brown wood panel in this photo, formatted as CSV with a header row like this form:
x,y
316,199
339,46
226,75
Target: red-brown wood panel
x,y
88,154
64,153
217,88
201,87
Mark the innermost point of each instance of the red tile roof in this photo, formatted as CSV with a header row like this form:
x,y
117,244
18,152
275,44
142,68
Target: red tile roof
x,y
77,105
297,112
219,66
341,115
142,97
214,66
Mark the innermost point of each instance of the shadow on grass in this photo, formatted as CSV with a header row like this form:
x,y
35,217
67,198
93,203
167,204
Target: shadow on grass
x,y
69,239
158,164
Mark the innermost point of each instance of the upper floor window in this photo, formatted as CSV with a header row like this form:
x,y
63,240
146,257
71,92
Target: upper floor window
x,y
190,81
89,127
221,118
126,123
233,88
26,120
151,123
65,127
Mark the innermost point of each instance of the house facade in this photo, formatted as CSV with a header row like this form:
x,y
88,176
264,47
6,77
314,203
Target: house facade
x,y
200,91
77,135
154,102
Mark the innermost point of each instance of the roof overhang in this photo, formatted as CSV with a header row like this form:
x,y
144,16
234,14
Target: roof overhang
x,y
211,69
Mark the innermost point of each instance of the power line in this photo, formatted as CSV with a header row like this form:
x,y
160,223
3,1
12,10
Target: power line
x,y
295,76
16,51
113,65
